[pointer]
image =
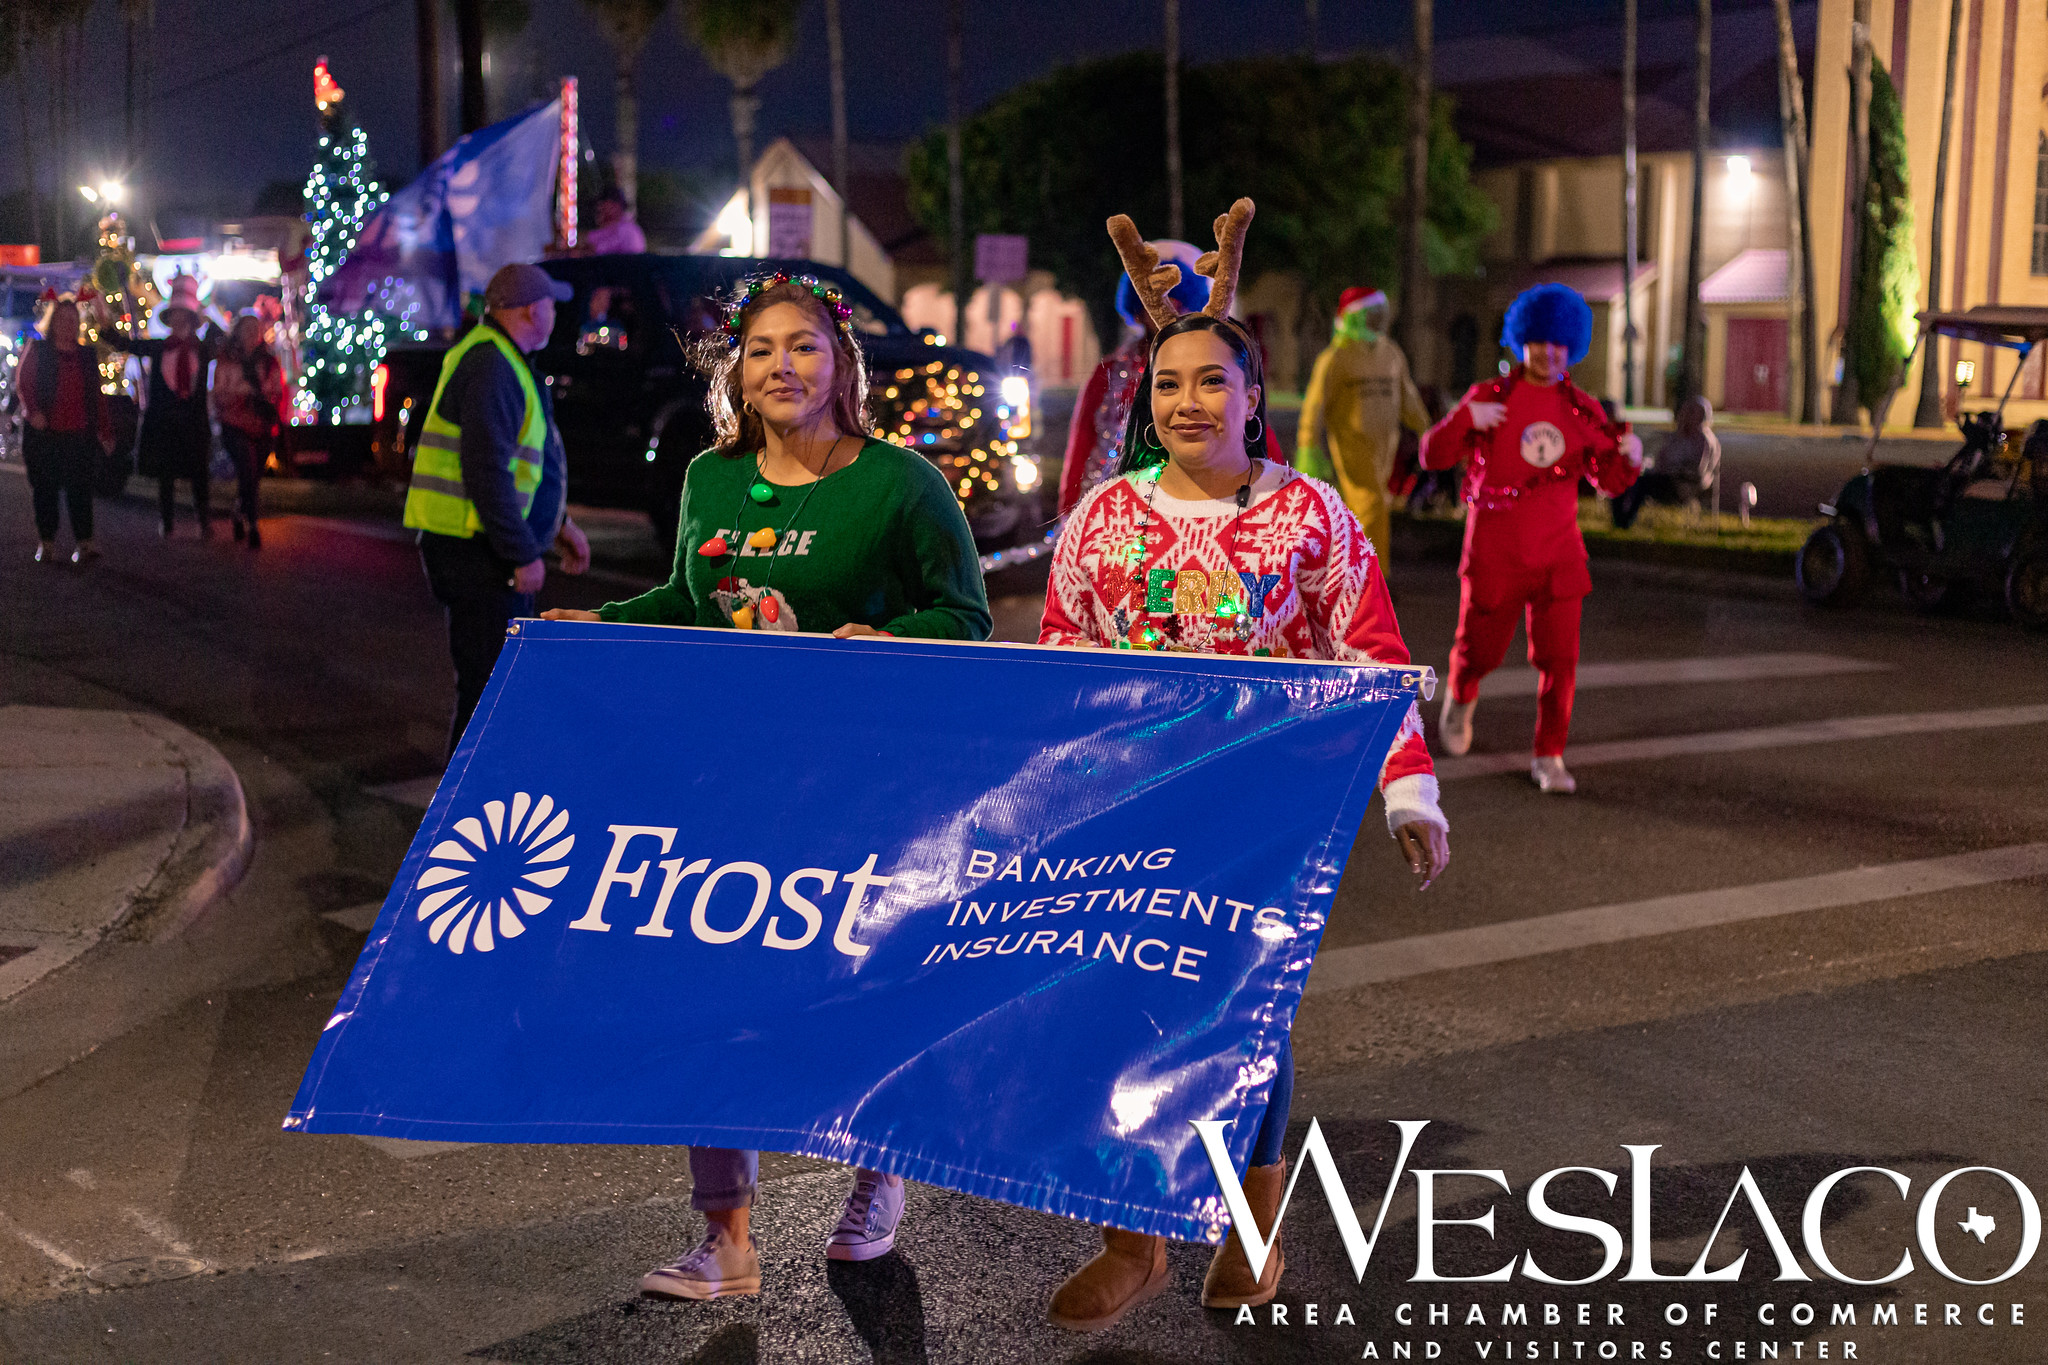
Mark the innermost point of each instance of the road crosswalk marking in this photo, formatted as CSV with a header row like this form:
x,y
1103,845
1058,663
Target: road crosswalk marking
x,y
1829,731
1367,963
1521,682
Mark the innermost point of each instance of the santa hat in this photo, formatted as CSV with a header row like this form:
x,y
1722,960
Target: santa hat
x,y
1555,313
184,295
1353,299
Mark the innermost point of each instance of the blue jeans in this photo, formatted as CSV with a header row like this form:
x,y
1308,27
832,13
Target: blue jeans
x,y
1273,1127
723,1178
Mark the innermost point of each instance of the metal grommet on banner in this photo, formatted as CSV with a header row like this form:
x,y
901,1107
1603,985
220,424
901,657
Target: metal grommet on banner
x,y
512,629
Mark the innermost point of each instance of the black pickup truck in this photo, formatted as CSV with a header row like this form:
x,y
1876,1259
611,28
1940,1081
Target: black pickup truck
x,y
631,405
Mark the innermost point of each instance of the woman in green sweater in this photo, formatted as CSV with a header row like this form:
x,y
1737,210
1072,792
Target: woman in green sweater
x,y
798,520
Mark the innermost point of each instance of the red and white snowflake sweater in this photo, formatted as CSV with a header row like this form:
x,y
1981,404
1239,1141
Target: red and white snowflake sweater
x,y
1292,577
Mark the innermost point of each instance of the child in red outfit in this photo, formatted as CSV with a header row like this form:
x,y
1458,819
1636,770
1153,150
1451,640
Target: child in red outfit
x,y
1528,438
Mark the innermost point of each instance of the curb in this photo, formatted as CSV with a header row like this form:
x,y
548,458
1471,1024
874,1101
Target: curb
x,y
213,847
145,865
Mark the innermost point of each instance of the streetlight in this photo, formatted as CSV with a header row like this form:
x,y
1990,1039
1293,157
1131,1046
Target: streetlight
x,y
92,196
113,191
1966,373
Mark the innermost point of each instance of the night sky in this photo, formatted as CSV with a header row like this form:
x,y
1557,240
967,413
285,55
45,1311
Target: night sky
x,y
232,106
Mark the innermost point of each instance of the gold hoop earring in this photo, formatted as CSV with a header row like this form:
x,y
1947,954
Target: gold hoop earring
x,y
748,408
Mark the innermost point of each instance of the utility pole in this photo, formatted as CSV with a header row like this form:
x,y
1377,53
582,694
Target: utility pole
x,y
1628,204
1927,413
1175,222
956,177
1414,246
469,33
1692,373
427,39
835,39
1799,234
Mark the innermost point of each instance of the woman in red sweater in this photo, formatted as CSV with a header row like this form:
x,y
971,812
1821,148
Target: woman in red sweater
x,y
1527,439
1204,543
67,428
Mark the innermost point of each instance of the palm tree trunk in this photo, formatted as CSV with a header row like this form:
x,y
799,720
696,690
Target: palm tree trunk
x,y
1628,204
626,128
1927,413
1414,246
1799,238
469,34
1175,220
427,44
835,41
1859,173
23,50
956,176
1692,369
1313,25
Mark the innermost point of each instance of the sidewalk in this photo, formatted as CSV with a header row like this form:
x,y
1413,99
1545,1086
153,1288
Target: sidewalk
x,y
108,820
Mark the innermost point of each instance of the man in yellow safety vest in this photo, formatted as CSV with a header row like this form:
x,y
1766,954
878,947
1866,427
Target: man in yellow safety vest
x,y
490,480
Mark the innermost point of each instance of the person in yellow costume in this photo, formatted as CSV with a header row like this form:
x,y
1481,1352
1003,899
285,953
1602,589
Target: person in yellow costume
x,y
1359,397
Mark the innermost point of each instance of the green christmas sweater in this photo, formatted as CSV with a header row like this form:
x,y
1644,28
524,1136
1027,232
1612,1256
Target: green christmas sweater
x,y
881,542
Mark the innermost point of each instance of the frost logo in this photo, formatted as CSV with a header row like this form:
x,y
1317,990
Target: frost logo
x,y
476,880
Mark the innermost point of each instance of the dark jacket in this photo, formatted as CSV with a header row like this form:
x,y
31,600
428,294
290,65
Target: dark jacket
x,y
176,440
484,399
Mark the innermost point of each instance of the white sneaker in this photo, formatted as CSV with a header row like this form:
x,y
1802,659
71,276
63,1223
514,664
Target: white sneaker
x,y
1551,775
867,1226
716,1269
1454,725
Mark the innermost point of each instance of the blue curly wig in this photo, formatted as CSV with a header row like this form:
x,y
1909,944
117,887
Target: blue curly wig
x,y
1192,293
1549,312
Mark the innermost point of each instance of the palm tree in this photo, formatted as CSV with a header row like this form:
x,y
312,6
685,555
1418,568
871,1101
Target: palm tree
x,y
1928,412
1691,374
627,25
1799,241
742,40
1628,204
1414,245
135,15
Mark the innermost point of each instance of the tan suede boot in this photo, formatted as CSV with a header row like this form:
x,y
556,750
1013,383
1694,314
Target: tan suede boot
x,y
1130,1270
1229,1283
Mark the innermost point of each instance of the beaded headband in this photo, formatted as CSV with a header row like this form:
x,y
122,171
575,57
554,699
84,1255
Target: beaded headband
x,y
835,303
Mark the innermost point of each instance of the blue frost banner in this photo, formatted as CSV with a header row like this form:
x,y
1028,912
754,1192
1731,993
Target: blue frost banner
x,y
998,918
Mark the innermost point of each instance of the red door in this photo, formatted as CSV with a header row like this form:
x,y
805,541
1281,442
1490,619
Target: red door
x,y
1759,354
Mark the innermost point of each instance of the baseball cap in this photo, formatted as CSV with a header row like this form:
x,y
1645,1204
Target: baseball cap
x,y
518,284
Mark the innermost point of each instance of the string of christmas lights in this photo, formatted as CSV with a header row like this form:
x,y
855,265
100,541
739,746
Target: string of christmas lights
x,y
342,349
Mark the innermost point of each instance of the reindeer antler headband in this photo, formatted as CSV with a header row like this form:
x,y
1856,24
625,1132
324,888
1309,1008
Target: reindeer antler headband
x,y
1154,281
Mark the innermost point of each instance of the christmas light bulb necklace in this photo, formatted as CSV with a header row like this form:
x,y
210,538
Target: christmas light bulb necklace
x,y
767,537
1228,608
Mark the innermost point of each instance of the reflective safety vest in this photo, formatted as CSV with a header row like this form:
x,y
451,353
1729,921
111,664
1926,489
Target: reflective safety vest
x,y
437,500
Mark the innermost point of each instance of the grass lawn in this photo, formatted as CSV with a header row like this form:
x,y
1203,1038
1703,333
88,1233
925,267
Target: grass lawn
x,y
1681,526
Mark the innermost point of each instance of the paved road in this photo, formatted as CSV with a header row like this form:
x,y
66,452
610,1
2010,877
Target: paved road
x,y
1790,1014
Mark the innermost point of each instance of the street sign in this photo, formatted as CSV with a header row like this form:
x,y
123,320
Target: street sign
x,y
789,222
1000,257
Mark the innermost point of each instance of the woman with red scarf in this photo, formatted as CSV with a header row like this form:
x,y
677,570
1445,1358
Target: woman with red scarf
x,y
68,426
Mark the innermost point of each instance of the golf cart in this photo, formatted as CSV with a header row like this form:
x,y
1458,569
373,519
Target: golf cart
x,y
1980,522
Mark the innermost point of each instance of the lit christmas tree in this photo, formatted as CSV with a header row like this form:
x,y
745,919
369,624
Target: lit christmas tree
x,y
341,349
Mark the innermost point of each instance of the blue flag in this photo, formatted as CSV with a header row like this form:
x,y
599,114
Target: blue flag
x,y
486,202
994,917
